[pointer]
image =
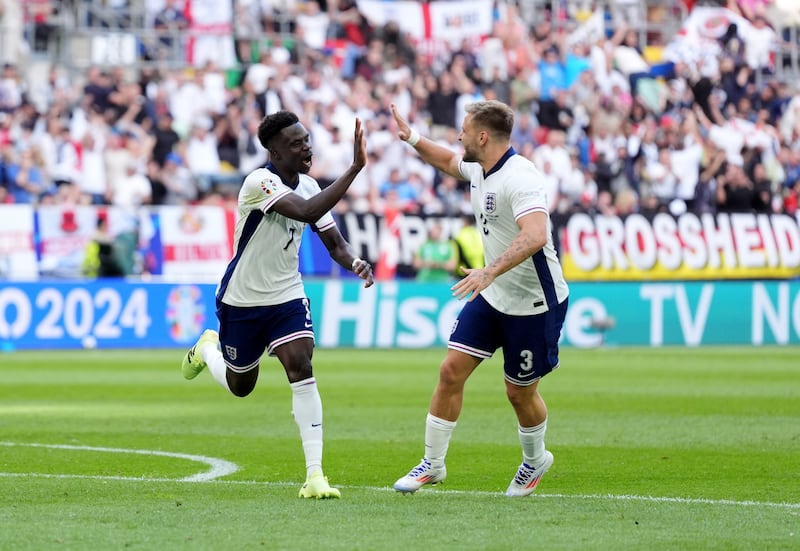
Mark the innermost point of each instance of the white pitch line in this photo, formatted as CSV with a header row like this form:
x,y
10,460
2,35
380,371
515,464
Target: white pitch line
x,y
431,492
219,467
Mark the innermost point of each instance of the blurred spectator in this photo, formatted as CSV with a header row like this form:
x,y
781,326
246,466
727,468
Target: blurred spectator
x,y
469,244
92,180
23,176
170,23
441,104
397,190
165,138
13,45
132,189
202,156
175,182
436,258
555,113
312,25
735,190
11,89
553,74
101,258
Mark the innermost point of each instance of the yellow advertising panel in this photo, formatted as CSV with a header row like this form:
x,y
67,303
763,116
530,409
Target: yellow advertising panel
x,y
721,246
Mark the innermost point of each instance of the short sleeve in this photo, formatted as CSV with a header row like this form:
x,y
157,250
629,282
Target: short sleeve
x,y
527,193
262,189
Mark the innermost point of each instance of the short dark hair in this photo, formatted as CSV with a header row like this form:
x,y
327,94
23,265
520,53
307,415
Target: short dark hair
x,y
494,116
274,123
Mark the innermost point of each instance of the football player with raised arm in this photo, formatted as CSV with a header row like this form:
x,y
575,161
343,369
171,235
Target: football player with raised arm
x,y
261,302
517,302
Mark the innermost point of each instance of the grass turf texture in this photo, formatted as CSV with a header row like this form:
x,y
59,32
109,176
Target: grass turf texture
x,y
654,449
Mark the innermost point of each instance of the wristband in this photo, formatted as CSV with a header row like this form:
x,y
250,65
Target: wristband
x,y
413,138
356,260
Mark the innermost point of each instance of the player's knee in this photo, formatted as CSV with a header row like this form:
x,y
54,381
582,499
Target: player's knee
x,y
240,386
520,395
450,375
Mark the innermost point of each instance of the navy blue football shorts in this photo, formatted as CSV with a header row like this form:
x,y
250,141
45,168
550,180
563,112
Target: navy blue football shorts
x,y
246,332
529,343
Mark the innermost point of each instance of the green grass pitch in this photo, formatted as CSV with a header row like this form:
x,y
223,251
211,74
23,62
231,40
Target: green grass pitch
x,y
654,449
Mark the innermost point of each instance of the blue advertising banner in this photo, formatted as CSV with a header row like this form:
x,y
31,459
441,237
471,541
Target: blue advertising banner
x,y
402,314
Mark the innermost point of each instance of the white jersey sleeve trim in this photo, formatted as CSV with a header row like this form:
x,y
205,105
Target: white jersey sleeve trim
x,y
326,225
274,199
530,210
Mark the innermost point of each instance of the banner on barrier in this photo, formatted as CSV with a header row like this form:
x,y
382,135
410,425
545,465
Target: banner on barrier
x,y
17,250
196,243
119,314
725,246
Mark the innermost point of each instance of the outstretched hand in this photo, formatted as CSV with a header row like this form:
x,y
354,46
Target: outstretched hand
x,y
403,130
359,146
363,269
475,281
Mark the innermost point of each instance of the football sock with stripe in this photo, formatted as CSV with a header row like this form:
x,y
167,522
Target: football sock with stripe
x,y
437,438
307,412
532,440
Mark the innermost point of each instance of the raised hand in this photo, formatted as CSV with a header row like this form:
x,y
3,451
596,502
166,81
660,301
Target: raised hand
x,y
403,130
359,145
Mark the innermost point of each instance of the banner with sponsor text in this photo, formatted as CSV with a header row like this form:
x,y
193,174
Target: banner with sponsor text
x,y
400,314
195,243
722,246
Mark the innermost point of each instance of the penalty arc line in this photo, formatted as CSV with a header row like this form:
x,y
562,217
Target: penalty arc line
x,y
221,467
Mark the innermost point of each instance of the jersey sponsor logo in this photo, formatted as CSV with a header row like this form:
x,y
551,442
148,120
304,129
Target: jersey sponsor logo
x,y
490,202
231,352
268,186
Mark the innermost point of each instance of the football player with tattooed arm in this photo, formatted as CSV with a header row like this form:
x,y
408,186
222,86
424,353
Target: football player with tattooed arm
x,y
517,302
261,301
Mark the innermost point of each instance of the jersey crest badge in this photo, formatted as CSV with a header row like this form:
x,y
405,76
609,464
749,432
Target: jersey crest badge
x,y
490,203
268,186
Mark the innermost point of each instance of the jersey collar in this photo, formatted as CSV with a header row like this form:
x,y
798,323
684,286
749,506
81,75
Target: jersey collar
x,y
272,168
506,156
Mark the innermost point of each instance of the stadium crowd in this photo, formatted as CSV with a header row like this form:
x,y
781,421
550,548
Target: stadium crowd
x,y
613,128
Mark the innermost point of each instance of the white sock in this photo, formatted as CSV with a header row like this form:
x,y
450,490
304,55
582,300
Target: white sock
x,y
532,440
437,438
216,364
307,412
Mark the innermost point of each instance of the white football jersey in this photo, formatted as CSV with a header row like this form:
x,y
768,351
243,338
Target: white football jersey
x,y
512,189
264,270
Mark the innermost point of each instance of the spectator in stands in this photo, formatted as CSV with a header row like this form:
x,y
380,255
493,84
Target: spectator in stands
x,y
553,74
312,25
24,179
91,180
102,256
132,189
165,138
436,258
202,155
555,113
170,23
469,244
179,185
398,188
441,103
735,190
